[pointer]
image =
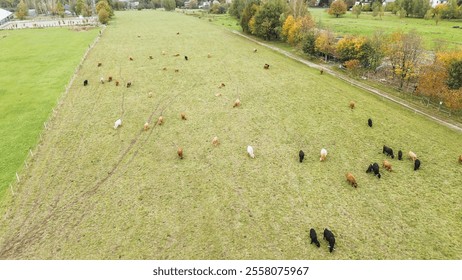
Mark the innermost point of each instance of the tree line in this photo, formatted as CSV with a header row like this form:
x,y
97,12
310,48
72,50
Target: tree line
x,y
398,54
103,8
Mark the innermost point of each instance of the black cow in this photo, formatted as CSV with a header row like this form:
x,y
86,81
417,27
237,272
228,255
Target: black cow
x,y
369,122
85,83
400,155
314,237
301,155
416,164
375,168
388,151
329,236
185,57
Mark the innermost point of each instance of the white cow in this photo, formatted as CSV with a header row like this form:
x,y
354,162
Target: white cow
x,y
117,123
250,151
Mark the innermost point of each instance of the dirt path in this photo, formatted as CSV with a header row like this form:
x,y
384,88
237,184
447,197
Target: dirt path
x,y
354,82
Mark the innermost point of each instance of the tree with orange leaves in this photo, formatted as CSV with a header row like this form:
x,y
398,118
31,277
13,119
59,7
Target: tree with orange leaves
x,y
337,8
442,80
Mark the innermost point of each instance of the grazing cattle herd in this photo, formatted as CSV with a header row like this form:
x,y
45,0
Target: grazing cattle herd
x,y
372,168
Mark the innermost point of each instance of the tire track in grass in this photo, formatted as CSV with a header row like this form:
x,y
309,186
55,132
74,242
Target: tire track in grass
x,y
36,205
16,244
43,190
76,154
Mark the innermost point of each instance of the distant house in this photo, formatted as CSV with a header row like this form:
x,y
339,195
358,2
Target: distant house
x,y
205,5
5,16
32,13
130,4
433,3
67,10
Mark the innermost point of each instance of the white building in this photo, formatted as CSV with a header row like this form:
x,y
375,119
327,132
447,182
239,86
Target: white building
x,y
433,3
5,16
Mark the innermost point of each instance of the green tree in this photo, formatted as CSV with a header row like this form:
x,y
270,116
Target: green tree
x,y
373,50
420,8
309,44
402,13
247,14
377,9
236,8
169,5
79,7
178,3
453,10
396,7
156,4
406,5
356,10
103,16
366,7
104,5
60,9
437,18
337,8
21,11
267,24
455,75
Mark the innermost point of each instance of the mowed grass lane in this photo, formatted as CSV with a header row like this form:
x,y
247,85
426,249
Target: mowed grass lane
x,y
35,66
98,193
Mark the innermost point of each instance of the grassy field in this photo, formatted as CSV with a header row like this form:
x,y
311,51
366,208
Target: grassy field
x,y
35,66
93,192
366,25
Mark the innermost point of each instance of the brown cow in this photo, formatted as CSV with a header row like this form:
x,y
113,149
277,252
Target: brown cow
x,y
351,179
